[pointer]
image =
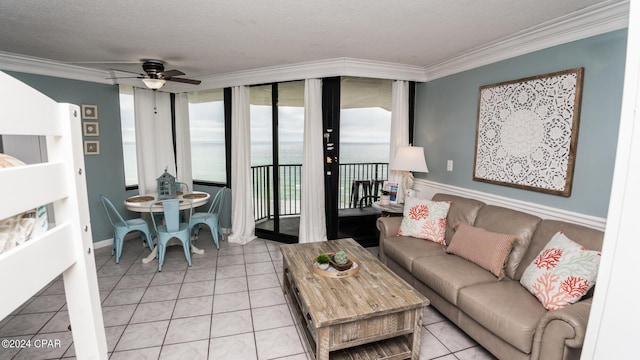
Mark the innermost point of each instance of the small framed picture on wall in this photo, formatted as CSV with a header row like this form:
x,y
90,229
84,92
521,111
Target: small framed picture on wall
x,y
91,128
90,112
92,147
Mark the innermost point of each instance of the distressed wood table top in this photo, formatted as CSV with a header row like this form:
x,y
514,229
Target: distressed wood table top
x,y
373,290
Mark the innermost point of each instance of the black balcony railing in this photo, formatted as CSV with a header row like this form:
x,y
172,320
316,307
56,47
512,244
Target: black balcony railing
x,y
290,179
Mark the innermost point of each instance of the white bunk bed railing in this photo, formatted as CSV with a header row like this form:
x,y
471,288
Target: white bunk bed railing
x,y
66,248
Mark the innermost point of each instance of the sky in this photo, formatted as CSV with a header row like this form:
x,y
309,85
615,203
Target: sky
x,y
365,125
362,125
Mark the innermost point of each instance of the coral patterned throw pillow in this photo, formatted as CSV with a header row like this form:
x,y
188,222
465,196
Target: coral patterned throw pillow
x,y
562,273
424,219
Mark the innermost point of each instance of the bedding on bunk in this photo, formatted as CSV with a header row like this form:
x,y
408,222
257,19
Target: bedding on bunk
x,y
17,229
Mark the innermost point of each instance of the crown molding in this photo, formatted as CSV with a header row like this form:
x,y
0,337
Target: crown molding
x,y
317,69
591,21
32,65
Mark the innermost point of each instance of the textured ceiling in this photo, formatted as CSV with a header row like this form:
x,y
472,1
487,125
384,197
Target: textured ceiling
x,y
205,37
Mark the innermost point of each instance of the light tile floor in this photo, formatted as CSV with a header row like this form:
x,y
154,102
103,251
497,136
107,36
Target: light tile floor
x,y
228,305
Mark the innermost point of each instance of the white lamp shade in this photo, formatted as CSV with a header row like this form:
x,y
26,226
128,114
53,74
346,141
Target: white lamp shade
x,y
409,158
154,84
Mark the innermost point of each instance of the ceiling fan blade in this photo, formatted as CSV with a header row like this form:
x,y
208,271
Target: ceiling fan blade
x,y
172,73
186,81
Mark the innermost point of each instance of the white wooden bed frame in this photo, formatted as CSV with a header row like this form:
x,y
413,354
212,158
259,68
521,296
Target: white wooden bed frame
x,y
67,247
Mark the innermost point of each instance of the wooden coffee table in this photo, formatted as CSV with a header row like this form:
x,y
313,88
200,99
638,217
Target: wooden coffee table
x,y
372,315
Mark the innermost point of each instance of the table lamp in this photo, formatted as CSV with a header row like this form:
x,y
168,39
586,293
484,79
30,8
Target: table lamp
x,y
408,159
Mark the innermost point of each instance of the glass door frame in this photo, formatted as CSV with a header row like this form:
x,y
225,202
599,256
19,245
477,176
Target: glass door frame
x,y
275,150
331,107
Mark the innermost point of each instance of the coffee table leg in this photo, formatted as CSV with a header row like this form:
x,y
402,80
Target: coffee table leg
x,y
416,336
322,347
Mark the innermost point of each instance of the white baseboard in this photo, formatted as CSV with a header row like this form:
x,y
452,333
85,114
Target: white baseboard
x,y
429,188
103,243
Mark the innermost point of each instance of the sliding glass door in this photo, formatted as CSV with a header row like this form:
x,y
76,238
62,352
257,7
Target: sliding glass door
x,y
277,118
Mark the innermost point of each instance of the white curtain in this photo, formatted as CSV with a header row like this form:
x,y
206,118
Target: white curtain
x,y
242,222
183,141
154,140
399,128
312,216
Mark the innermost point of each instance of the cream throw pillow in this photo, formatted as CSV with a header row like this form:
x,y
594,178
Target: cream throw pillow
x,y
484,248
562,273
424,219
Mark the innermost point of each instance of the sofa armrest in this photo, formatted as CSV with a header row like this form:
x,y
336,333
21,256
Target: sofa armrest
x,y
388,227
561,328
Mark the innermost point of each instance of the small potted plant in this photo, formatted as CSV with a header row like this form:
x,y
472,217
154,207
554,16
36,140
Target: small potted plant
x,y
340,261
322,261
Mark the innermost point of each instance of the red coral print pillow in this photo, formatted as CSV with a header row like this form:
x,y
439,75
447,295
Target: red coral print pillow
x,y
562,273
419,212
548,258
425,219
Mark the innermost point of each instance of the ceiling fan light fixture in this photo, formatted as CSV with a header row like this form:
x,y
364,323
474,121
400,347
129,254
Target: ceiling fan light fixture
x,y
154,84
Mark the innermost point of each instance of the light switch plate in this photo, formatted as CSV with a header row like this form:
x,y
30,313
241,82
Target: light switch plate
x,y
449,165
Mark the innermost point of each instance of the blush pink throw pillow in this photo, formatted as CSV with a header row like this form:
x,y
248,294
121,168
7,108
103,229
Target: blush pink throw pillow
x,y
484,248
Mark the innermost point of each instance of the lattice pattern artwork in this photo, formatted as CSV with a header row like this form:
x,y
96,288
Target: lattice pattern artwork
x,y
527,130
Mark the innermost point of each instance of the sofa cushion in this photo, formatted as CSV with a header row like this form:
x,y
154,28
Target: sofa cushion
x,y
405,249
484,248
506,309
508,221
448,274
587,237
424,219
461,210
562,273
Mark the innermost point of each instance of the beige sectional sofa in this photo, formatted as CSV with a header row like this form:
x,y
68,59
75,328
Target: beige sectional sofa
x,y
501,315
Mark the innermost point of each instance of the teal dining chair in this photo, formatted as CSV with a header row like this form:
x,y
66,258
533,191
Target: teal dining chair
x,y
172,228
122,227
210,218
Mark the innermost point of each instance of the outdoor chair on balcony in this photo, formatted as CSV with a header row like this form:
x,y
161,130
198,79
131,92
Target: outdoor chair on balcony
x,y
354,198
211,218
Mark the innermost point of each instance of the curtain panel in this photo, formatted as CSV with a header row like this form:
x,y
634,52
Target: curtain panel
x,y
183,141
399,134
154,139
242,221
312,215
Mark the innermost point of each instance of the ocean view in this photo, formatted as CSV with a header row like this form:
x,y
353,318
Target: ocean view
x,y
211,154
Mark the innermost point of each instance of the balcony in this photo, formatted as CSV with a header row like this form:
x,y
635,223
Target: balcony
x,y
356,180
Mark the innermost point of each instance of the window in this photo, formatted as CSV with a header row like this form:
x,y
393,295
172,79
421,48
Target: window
x,y
206,119
128,125
365,124
365,120
261,127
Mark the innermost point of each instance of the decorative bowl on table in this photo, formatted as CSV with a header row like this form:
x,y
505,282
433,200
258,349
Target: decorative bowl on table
x,y
341,267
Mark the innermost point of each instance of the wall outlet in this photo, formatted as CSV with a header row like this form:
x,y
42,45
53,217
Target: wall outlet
x,y
449,165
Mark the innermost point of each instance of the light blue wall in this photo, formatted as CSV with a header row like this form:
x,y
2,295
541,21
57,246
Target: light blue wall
x,y
105,172
446,116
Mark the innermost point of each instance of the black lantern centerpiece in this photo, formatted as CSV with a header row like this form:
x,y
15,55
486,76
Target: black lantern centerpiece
x,y
166,186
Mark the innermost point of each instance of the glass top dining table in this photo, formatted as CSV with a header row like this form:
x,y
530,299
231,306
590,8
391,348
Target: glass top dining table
x,y
143,204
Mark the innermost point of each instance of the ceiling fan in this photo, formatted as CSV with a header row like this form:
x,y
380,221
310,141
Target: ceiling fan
x,y
155,76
